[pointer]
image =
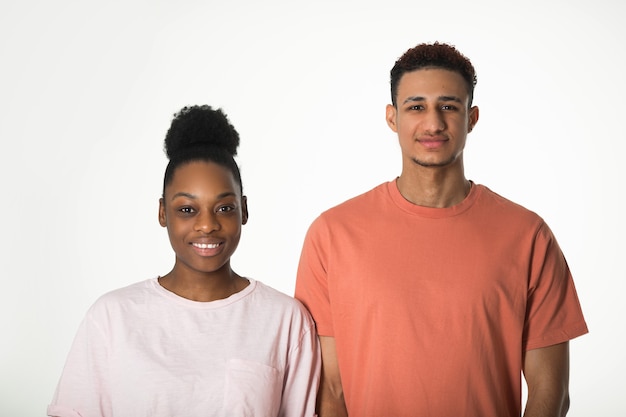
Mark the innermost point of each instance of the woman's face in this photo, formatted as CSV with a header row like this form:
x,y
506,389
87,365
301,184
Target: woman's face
x,y
203,210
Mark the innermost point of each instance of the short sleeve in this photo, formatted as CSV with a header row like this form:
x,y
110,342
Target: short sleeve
x,y
83,386
311,281
302,374
553,312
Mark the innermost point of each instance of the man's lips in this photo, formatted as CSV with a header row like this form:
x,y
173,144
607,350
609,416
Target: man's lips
x,y
432,143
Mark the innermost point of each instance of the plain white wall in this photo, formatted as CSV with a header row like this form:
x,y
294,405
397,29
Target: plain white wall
x,y
88,89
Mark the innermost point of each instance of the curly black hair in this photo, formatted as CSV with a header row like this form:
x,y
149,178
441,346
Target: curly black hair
x,y
200,133
435,55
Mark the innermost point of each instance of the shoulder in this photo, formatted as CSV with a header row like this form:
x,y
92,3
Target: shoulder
x,y
376,194
121,298
129,292
502,207
115,307
275,297
359,205
280,302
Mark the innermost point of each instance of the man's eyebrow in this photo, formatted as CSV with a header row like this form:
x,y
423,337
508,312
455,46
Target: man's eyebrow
x,y
413,98
440,98
450,98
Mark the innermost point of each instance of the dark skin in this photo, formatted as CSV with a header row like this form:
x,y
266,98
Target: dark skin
x,y
203,211
432,120
547,374
330,400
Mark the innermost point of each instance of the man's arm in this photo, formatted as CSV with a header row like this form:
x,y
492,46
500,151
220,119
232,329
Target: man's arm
x,y
547,374
330,402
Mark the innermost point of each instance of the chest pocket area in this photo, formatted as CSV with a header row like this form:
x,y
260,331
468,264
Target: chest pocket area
x,y
252,389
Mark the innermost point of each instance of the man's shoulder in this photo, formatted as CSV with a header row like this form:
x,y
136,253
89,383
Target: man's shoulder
x,y
371,197
505,207
355,210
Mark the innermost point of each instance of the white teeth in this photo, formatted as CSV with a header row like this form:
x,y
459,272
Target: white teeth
x,y
206,245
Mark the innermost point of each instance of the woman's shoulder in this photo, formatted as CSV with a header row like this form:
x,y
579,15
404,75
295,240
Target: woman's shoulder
x,y
120,297
130,290
277,299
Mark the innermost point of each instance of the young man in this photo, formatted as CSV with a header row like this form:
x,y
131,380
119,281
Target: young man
x,y
432,294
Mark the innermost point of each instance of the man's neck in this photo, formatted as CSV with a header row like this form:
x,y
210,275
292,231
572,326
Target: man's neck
x,y
434,187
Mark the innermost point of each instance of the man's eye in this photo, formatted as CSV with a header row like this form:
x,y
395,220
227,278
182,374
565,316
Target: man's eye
x,y
417,107
225,209
448,107
186,210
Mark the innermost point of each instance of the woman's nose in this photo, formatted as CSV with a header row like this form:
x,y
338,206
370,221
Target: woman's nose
x,y
206,221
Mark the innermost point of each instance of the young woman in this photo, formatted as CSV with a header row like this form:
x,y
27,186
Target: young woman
x,y
200,340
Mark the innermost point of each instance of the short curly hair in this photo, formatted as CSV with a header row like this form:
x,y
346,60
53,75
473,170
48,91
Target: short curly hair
x,y
435,55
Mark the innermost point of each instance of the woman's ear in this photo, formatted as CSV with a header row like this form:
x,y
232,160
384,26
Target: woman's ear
x,y
244,209
162,217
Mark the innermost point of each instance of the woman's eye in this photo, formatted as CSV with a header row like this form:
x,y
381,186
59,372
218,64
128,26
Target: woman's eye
x,y
225,209
186,210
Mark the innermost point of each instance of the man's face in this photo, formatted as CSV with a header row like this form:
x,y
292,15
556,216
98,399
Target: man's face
x,y
432,118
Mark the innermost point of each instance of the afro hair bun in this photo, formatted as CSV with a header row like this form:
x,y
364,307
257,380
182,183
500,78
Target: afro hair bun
x,y
198,127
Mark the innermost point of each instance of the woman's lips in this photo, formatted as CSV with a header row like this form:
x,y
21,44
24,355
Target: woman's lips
x,y
207,249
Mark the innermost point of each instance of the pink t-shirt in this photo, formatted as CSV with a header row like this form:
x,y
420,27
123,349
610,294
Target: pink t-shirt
x,y
144,351
431,309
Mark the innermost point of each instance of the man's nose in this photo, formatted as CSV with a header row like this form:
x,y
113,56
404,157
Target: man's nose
x,y
434,121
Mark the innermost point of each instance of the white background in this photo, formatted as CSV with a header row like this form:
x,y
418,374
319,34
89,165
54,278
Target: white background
x,y
88,89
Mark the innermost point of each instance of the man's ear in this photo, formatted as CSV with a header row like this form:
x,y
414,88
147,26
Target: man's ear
x,y
390,116
162,217
473,118
244,209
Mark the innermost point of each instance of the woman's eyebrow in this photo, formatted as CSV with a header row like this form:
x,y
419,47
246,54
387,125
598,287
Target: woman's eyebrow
x,y
194,197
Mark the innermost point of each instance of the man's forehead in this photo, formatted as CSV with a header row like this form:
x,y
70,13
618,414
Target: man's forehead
x,y
432,82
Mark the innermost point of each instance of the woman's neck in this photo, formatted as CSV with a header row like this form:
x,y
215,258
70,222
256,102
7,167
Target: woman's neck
x,y
199,286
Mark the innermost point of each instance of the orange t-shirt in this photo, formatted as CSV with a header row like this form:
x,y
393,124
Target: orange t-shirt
x,y
431,309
